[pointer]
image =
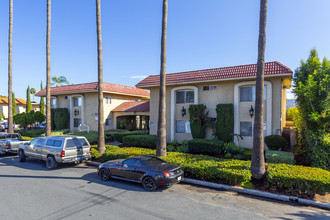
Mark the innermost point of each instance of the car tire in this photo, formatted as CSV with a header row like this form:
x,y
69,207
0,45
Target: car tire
x,y
51,163
21,156
104,174
149,183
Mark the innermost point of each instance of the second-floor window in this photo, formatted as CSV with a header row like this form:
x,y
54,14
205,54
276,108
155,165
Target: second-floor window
x,y
77,101
107,100
185,96
53,102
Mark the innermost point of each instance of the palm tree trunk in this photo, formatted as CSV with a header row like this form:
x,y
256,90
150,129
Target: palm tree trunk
x,y
258,161
101,146
48,112
10,73
161,130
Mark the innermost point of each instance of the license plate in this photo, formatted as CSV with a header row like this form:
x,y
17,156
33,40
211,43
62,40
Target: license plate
x,y
179,178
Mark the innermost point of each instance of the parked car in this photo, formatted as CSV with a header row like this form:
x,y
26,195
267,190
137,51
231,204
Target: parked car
x,y
10,142
41,125
55,150
4,126
148,170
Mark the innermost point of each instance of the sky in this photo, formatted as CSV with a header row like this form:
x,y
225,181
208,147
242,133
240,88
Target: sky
x,y
202,34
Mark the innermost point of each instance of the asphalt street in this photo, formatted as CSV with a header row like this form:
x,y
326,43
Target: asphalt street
x,y
30,191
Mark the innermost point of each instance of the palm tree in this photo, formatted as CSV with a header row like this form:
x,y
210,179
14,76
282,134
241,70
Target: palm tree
x,y
10,69
161,129
33,91
258,161
101,145
48,113
58,81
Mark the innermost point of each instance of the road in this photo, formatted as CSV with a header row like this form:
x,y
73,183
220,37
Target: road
x,y
30,191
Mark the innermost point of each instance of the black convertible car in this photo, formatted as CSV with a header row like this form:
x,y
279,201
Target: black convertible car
x,y
149,170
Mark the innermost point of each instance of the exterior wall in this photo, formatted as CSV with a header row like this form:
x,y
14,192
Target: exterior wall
x,y
224,94
19,109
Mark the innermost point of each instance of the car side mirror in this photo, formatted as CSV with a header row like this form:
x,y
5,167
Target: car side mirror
x,y
123,165
27,143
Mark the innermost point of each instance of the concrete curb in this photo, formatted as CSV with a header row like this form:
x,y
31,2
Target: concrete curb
x,y
252,192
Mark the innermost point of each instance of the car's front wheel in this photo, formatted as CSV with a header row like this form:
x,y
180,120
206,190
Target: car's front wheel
x,y
51,163
104,174
21,156
149,183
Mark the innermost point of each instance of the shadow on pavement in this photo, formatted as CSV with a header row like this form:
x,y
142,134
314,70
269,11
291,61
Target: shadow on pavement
x,y
119,184
308,215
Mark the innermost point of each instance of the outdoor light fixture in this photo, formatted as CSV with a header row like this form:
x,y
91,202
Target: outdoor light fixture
x,y
251,111
183,111
76,112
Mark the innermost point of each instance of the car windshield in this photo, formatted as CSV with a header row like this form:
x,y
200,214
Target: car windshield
x,y
152,161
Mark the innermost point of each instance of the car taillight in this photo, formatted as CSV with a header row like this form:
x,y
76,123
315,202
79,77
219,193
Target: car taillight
x,y
63,153
7,145
167,174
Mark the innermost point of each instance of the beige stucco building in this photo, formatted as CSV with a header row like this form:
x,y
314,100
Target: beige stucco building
x,y
20,106
210,87
120,102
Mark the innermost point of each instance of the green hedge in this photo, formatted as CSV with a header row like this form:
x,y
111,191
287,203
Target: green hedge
x,y
119,135
61,118
145,141
225,122
275,142
202,146
198,120
298,180
273,156
31,133
290,179
319,150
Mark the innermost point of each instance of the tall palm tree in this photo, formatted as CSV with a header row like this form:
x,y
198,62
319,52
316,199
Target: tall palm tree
x,y
59,81
101,146
48,113
161,129
258,161
10,69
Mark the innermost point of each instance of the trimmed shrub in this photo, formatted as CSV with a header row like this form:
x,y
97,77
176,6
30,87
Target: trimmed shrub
x,y
199,120
233,148
61,118
145,141
297,180
248,154
225,122
119,135
279,157
319,150
32,133
275,142
202,146
27,138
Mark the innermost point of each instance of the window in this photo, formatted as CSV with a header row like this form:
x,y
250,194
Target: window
x,y
107,100
73,143
108,122
248,94
53,102
57,143
182,126
131,162
34,141
185,96
246,128
40,142
77,101
76,122
210,88
54,143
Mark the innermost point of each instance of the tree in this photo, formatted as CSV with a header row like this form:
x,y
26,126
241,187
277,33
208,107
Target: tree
x,y
258,161
59,81
161,129
101,141
33,91
28,100
1,117
14,105
39,117
48,112
42,101
10,69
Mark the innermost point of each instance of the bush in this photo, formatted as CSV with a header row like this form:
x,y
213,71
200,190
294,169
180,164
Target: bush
x,y
61,118
233,148
119,135
319,151
275,142
279,157
298,180
225,122
202,146
32,133
27,138
248,154
170,148
199,120
145,141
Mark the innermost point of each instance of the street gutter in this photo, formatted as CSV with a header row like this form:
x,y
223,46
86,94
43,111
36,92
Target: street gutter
x,y
295,199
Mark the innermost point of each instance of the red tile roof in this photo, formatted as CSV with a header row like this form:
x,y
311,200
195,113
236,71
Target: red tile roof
x,y
4,100
93,87
133,107
271,68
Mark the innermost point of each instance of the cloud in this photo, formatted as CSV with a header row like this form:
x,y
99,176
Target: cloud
x,y
139,77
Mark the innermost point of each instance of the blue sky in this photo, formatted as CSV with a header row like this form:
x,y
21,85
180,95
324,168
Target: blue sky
x,y
201,34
